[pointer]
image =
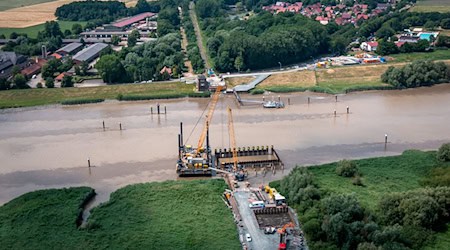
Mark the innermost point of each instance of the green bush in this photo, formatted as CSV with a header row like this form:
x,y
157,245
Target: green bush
x,y
257,91
366,88
357,181
346,168
284,89
200,94
82,101
319,89
443,153
150,97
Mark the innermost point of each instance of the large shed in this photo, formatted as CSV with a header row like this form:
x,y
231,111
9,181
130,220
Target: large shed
x,y
90,53
70,49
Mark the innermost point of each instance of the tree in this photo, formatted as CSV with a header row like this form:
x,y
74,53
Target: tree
x,y
239,63
67,81
15,70
141,6
445,23
52,67
4,84
115,40
20,82
67,33
84,68
338,45
386,48
49,82
430,25
385,32
133,37
443,153
77,70
111,69
77,28
39,85
347,168
51,29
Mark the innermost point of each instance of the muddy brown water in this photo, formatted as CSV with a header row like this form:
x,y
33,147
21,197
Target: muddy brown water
x,y
48,147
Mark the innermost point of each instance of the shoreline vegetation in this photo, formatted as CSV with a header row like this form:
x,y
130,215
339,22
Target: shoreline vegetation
x,y
368,188
158,215
333,80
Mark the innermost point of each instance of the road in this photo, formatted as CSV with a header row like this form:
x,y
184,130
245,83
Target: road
x,y
198,33
260,241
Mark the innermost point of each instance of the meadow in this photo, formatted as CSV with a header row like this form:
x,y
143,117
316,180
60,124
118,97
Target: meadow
x,y
166,215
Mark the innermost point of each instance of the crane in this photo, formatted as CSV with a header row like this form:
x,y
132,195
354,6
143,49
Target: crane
x,y
197,161
232,139
212,107
239,172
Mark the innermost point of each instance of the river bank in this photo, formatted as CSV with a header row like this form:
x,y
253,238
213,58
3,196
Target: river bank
x,y
48,147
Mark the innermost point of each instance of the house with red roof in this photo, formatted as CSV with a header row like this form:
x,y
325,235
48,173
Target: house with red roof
x,y
369,46
34,67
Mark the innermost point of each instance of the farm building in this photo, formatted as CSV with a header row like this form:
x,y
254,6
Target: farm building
x,y
202,83
90,53
10,59
70,49
34,68
126,22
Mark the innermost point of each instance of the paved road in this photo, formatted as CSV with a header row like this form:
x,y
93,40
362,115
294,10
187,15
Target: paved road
x,y
260,241
194,20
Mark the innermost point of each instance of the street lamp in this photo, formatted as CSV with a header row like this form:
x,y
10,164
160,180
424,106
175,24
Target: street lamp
x,y
279,64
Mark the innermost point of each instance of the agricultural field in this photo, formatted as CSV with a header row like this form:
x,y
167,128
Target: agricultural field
x,y
8,4
431,6
233,81
167,215
32,31
34,12
34,97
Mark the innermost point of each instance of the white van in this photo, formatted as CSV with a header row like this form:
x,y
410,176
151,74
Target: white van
x,y
257,204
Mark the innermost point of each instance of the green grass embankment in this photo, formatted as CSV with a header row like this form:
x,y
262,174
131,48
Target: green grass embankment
x,y
34,97
167,215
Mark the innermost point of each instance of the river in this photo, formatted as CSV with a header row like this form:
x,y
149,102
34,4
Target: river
x,y
48,147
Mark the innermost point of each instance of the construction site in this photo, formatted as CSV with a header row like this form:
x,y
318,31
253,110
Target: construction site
x,y
262,215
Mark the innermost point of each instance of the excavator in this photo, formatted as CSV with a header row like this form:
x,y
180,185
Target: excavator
x,y
283,235
238,170
197,161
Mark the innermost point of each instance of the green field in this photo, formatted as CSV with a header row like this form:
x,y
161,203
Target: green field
x,y
167,215
34,97
431,6
381,175
33,30
8,4
435,55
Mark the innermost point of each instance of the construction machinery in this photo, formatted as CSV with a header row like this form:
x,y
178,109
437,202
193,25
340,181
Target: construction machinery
x,y
276,197
283,235
238,170
197,161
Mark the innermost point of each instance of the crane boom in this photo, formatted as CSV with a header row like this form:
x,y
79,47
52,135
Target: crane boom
x,y
209,116
232,139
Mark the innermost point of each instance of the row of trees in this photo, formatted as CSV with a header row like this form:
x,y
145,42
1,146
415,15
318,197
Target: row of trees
x,y
192,48
416,74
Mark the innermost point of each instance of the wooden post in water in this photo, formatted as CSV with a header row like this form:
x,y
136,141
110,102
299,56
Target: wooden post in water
x,y
103,125
335,97
120,125
348,110
289,101
89,162
264,99
385,139
309,99
157,108
335,113
279,99
151,110
165,110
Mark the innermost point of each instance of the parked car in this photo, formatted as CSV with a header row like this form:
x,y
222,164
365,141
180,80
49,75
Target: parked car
x,y
248,238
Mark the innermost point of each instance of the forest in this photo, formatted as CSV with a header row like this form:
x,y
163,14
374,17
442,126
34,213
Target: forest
x,y
266,40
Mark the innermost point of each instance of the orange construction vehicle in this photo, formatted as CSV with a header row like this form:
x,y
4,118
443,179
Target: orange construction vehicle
x,y
283,234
